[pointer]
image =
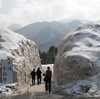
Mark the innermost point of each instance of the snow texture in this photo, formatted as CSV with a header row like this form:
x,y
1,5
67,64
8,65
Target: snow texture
x,y
77,65
22,52
7,88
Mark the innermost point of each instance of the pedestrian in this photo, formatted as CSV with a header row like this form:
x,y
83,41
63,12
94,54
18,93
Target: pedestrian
x,y
33,73
47,79
38,76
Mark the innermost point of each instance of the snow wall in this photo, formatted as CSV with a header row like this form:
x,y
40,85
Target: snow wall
x,y
22,52
77,65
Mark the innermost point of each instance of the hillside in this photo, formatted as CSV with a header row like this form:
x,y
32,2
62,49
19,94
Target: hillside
x,y
46,34
14,27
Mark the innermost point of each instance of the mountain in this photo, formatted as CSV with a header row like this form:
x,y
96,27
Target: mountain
x,y
47,34
68,20
14,27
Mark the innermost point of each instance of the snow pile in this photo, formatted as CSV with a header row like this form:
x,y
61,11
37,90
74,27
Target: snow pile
x,y
7,88
22,52
89,87
77,65
9,40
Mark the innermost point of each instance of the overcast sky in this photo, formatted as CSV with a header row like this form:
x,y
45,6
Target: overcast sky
x,y
28,11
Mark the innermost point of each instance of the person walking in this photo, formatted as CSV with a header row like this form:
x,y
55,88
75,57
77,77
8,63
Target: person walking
x,y
33,73
47,79
38,76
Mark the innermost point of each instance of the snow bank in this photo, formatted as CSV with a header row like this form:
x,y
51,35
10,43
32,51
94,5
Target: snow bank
x,y
89,87
7,88
77,64
22,52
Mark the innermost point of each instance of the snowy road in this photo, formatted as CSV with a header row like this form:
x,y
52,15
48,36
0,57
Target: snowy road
x,y
35,92
50,96
38,92
24,96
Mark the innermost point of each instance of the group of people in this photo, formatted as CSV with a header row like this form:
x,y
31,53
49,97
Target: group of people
x,y
47,78
38,74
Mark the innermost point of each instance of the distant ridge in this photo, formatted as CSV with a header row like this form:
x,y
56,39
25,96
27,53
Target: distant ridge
x,y
46,34
14,27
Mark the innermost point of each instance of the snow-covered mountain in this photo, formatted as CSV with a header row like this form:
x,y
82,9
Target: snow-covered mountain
x,y
77,65
14,27
68,20
47,34
23,54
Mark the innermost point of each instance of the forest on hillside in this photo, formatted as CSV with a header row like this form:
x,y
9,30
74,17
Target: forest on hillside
x,y
49,56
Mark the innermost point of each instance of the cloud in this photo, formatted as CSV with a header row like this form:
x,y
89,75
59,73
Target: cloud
x,y
28,11
4,20
0,3
31,12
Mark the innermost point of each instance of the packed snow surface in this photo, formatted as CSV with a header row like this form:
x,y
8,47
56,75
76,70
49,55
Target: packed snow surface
x,y
9,40
7,88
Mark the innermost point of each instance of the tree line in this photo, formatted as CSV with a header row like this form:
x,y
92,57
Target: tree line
x,y
49,56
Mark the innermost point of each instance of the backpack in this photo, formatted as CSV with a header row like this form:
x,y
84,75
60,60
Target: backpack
x,y
48,74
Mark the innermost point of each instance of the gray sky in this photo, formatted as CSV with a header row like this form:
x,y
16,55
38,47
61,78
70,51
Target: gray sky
x,y
28,11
